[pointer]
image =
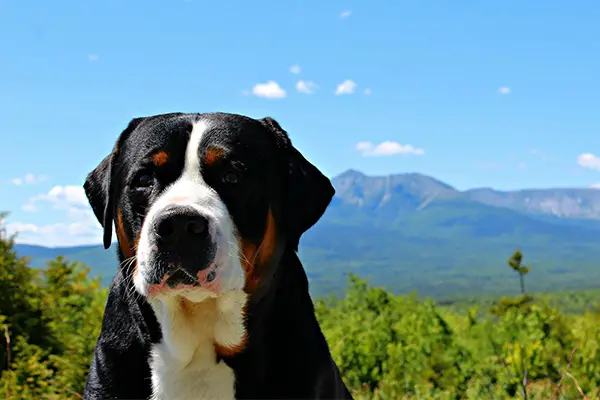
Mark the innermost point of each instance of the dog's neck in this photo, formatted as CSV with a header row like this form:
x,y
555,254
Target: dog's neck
x,y
281,322
193,330
185,364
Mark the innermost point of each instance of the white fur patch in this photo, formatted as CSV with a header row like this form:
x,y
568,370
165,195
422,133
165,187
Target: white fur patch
x,y
193,320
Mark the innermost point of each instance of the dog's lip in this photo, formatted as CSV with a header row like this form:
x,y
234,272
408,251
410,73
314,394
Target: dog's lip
x,y
206,279
207,276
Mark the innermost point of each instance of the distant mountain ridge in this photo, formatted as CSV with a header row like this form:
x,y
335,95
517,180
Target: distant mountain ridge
x,y
583,203
413,232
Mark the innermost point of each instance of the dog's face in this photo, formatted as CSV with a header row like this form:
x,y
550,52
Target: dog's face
x,y
204,203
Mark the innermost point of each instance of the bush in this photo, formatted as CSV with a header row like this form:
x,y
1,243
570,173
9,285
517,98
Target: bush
x,y
50,320
386,346
391,347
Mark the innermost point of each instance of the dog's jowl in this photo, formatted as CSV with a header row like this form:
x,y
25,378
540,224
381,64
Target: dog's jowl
x,y
210,299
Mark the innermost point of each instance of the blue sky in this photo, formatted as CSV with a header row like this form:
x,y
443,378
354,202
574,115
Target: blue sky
x,y
475,93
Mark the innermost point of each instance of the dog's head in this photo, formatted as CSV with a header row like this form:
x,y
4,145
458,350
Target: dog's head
x,y
205,203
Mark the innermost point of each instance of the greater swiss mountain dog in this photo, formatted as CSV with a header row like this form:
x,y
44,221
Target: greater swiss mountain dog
x,y
210,300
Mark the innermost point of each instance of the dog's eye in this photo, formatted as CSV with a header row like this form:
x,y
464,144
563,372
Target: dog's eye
x,y
143,180
231,177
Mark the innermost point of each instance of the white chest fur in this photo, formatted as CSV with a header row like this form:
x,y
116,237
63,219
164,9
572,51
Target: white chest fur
x,y
175,380
184,365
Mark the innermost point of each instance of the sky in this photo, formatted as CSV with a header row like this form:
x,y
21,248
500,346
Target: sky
x,y
501,94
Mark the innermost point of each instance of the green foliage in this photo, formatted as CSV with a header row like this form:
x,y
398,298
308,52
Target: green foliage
x,y
386,346
390,347
50,320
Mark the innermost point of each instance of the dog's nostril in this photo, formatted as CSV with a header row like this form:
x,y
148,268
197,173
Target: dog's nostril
x,y
196,225
176,226
165,228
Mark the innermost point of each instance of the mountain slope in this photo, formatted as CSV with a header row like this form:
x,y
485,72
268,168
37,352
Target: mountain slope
x,y
412,232
568,203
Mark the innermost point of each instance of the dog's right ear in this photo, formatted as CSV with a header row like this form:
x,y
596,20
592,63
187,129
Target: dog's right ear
x,y
99,185
308,191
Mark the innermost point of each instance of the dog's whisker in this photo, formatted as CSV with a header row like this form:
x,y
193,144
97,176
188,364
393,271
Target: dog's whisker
x,y
186,273
239,251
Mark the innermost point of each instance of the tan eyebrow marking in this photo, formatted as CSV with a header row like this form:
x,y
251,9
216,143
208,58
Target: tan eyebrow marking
x,y
160,158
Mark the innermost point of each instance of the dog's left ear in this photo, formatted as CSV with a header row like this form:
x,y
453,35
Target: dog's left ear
x,y
307,192
98,190
99,185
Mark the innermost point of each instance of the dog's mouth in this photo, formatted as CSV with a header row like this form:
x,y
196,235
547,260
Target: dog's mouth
x,y
179,279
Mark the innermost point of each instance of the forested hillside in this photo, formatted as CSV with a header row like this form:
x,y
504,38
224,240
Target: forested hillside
x,y
387,347
410,232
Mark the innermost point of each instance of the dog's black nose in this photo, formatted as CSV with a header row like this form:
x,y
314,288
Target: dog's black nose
x,y
180,226
184,246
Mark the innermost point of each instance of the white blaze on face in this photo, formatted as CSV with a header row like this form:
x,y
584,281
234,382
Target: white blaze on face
x,y
190,190
193,320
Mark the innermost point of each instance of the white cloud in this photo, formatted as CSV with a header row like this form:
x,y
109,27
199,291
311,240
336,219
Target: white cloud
x,y
387,148
29,179
595,186
345,14
541,155
364,146
295,69
69,204
65,197
269,90
29,207
84,231
93,57
367,91
589,160
504,90
60,198
306,87
346,87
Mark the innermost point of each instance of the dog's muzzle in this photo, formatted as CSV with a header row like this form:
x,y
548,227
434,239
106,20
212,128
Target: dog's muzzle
x,y
183,250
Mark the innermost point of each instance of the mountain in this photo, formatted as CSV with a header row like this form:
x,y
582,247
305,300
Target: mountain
x,y
566,203
412,232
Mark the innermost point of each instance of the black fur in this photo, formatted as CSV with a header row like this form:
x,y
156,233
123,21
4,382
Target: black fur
x,y
286,355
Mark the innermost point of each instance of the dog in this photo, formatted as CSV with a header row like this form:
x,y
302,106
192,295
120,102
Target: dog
x,y
210,300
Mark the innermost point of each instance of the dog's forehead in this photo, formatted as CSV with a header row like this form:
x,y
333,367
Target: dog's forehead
x,y
228,131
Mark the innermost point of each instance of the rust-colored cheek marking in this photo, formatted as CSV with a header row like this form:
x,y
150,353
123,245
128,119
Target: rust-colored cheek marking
x,y
122,236
213,155
124,243
255,256
160,158
269,241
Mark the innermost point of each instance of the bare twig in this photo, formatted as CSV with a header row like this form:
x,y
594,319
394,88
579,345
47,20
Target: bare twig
x,y
8,358
524,385
75,394
576,385
7,340
562,377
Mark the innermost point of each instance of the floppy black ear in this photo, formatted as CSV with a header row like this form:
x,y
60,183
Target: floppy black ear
x,y
308,191
98,191
99,185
